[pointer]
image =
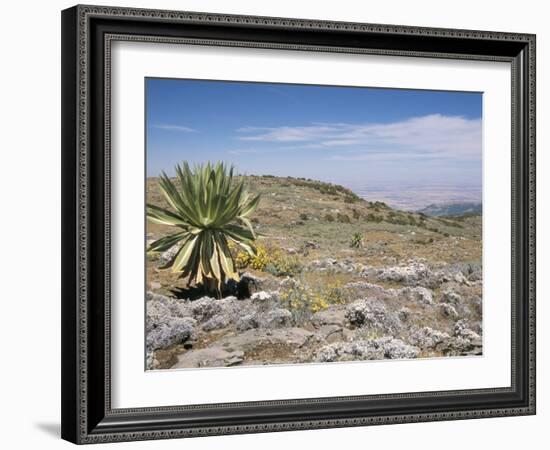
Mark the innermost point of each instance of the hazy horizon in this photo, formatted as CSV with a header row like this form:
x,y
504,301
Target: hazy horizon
x,y
409,148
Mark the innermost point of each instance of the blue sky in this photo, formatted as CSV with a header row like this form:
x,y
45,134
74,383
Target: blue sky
x,y
345,135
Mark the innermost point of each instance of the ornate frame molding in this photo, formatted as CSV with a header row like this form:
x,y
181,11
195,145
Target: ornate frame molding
x,y
80,419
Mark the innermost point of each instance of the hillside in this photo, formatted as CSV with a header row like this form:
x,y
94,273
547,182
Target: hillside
x,y
293,212
412,283
452,209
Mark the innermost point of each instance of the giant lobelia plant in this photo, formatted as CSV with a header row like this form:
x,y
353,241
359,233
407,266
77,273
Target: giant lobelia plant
x,y
210,209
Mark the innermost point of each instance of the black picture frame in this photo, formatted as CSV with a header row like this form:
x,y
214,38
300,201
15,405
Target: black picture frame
x,y
87,416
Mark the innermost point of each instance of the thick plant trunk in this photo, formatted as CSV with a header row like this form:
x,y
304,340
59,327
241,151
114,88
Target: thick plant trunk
x,y
211,287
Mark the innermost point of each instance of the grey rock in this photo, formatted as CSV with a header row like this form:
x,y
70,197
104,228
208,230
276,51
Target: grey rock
x,y
373,313
461,279
448,310
404,314
416,273
330,333
205,308
451,297
174,330
330,316
250,339
168,255
163,310
368,271
217,322
382,348
417,294
311,244
264,297
428,338
462,330
273,318
397,349
333,265
209,357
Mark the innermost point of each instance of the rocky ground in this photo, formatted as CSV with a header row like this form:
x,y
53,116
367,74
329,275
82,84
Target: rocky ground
x,y
430,312
412,288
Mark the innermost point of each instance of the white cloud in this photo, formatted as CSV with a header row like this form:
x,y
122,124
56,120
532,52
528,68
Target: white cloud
x,y
430,136
174,128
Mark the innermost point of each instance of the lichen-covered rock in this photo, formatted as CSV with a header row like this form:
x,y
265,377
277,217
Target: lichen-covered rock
x,y
464,342
323,265
217,322
168,255
205,308
368,271
428,338
250,340
410,274
462,330
168,321
461,279
174,330
397,349
382,348
209,357
372,313
415,273
451,297
404,314
272,318
263,297
276,318
448,310
330,333
217,312
331,316
417,294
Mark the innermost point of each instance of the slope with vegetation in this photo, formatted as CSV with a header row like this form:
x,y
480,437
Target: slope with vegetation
x,y
332,277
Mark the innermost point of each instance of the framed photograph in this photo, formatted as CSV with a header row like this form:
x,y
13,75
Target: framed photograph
x,y
277,224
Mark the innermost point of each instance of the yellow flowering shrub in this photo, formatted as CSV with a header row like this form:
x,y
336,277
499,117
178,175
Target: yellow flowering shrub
x,y
257,262
268,259
302,301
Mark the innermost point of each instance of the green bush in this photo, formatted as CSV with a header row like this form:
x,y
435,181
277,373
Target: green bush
x,y
374,218
284,266
356,241
343,218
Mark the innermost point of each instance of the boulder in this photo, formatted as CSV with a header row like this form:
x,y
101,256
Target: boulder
x,y
451,297
209,357
272,318
416,273
373,313
428,338
417,294
174,330
382,348
448,310
330,316
330,333
168,255
250,340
